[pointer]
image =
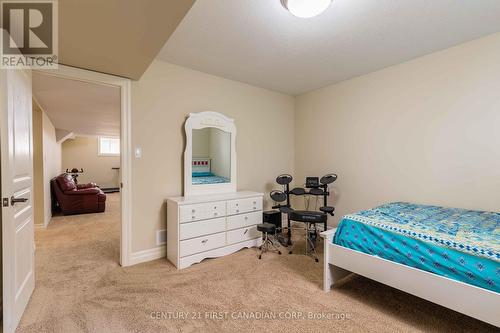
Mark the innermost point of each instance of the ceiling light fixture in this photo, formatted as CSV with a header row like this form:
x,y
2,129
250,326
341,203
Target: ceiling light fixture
x,y
306,8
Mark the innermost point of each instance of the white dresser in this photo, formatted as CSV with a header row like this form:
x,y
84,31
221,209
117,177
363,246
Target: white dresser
x,y
210,226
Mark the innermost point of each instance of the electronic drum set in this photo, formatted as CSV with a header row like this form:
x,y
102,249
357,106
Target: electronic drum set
x,y
314,187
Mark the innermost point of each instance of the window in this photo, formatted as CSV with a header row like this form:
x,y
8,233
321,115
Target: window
x,y
109,146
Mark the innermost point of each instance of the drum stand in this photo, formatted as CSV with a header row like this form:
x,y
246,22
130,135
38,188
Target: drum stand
x,y
281,196
312,253
310,242
310,218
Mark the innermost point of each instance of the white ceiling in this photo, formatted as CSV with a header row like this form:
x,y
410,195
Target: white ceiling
x,y
260,43
79,107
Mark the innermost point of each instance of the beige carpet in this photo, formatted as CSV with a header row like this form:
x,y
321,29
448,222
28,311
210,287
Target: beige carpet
x,y
81,288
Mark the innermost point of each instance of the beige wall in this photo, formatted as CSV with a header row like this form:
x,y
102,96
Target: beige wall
x,y
201,143
220,152
82,152
51,164
423,131
215,144
162,99
426,131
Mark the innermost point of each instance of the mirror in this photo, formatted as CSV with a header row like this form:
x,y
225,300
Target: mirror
x,y
211,163
210,154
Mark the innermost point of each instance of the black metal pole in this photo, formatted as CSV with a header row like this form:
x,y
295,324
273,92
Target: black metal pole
x,y
289,242
325,203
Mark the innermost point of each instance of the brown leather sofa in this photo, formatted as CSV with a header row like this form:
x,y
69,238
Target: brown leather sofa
x,y
75,198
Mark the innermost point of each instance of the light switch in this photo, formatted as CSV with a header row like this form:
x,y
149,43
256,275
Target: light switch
x,y
138,152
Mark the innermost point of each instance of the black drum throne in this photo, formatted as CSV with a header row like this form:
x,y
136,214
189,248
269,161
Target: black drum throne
x,y
316,188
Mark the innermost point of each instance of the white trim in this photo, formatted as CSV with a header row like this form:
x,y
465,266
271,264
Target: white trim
x,y
473,301
125,142
148,255
68,136
203,120
107,155
6,214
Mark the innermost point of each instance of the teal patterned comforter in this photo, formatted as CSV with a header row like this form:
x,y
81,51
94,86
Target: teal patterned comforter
x,y
204,180
460,244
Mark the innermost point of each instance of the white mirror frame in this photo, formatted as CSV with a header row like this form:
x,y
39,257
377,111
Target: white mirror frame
x,y
199,121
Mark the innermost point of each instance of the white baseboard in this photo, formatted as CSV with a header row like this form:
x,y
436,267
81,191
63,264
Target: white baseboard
x,y
148,255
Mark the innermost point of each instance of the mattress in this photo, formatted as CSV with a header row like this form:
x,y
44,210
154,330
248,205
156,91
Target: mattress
x,y
203,180
460,244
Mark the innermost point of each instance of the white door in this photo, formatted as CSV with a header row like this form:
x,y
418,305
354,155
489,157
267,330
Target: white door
x,y
17,183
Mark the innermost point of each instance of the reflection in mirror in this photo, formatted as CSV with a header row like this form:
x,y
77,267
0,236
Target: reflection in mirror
x,y
211,160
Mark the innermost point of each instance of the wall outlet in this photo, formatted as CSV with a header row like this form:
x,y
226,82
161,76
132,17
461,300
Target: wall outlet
x,y
161,237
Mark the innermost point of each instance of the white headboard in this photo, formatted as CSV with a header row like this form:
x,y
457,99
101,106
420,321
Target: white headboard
x,y
201,164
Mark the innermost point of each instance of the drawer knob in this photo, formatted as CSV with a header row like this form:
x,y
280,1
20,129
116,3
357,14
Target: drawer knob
x,y
215,207
204,241
255,202
246,217
215,214
246,230
254,207
193,217
237,204
194,210
237,211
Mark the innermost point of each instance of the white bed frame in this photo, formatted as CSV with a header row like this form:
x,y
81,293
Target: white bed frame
x,y
473,301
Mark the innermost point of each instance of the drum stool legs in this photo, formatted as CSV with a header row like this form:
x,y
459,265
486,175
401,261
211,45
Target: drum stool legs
x,y
267,244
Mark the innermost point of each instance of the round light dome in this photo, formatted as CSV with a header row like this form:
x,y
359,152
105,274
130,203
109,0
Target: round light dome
x,y
306,8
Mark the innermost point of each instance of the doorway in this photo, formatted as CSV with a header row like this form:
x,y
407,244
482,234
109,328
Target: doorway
x,y
13,129
99,130
76,164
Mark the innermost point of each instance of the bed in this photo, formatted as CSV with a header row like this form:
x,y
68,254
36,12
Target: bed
x,y
449,256
208,178
202,173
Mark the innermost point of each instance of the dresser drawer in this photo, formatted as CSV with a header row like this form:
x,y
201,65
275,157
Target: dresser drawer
x,y
243,234
200,228
201,244
243,220
202,211
244,205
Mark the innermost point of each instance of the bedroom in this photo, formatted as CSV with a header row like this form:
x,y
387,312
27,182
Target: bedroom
x,y
408,112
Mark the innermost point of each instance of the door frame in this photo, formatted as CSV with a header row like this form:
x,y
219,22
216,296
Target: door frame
x,y
124,85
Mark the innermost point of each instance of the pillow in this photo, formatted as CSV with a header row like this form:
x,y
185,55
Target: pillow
x,y
202,174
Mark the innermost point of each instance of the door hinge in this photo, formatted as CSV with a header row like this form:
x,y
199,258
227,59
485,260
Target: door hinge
x,y
5,202
121,185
